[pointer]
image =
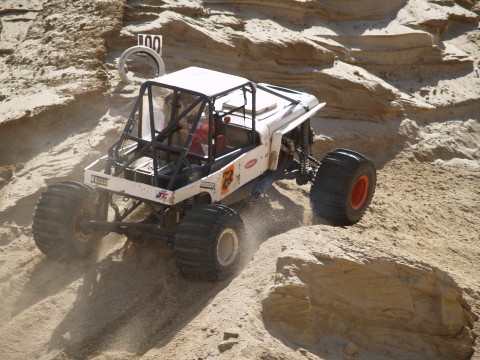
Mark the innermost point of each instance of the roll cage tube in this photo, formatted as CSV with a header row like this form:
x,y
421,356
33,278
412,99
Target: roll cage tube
x,y
120,156
157,136
182,157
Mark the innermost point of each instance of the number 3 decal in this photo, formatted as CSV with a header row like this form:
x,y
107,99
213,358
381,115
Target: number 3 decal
x,y
227,179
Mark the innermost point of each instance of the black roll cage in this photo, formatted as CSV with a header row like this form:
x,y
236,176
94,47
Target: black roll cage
x,y
121,157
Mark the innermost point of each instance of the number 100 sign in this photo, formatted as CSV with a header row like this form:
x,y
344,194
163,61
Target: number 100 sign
x,y
151,41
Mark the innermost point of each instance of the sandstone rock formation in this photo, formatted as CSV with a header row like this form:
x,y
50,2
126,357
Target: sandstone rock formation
x,y
402,84
384,306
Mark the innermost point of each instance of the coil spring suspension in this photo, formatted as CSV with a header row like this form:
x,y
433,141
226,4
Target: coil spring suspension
x,y
305,147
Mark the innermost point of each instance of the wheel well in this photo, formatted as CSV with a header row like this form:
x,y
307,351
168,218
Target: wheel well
x,y
203,198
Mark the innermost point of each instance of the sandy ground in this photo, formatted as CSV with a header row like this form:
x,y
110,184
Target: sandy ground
x,y
402,83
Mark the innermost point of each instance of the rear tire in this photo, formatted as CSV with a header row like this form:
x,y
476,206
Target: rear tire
x,y
59,221
208,241
343,187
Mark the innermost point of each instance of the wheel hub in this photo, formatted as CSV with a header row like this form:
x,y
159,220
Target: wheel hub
x,y
227,247
83,232
359,192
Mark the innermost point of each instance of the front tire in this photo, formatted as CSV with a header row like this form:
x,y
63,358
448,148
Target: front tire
x,y
59,221
208,241
343,187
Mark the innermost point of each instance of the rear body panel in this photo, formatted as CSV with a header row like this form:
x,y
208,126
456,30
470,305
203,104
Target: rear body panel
x,y
219,184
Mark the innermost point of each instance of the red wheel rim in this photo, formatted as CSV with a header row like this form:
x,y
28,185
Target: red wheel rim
x,y
359,192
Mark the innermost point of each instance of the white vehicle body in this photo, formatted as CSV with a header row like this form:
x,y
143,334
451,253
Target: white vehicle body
x,y
196,142
275,115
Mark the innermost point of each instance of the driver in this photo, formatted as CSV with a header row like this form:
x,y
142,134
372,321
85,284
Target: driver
x,y
200,137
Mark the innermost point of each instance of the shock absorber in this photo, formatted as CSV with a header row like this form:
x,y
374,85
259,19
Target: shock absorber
x,y
305,147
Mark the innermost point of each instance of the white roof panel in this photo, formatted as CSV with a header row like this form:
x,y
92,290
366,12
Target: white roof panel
x,y
200,80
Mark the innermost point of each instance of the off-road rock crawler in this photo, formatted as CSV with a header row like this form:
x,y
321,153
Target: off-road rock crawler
x,y
196,141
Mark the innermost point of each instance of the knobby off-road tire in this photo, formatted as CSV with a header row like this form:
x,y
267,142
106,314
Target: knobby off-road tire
x,y
343,187
59,221
208,242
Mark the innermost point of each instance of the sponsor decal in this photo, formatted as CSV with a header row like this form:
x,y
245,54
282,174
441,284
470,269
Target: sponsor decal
x,y
227,179
250,164
162,195
207,185
99,180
